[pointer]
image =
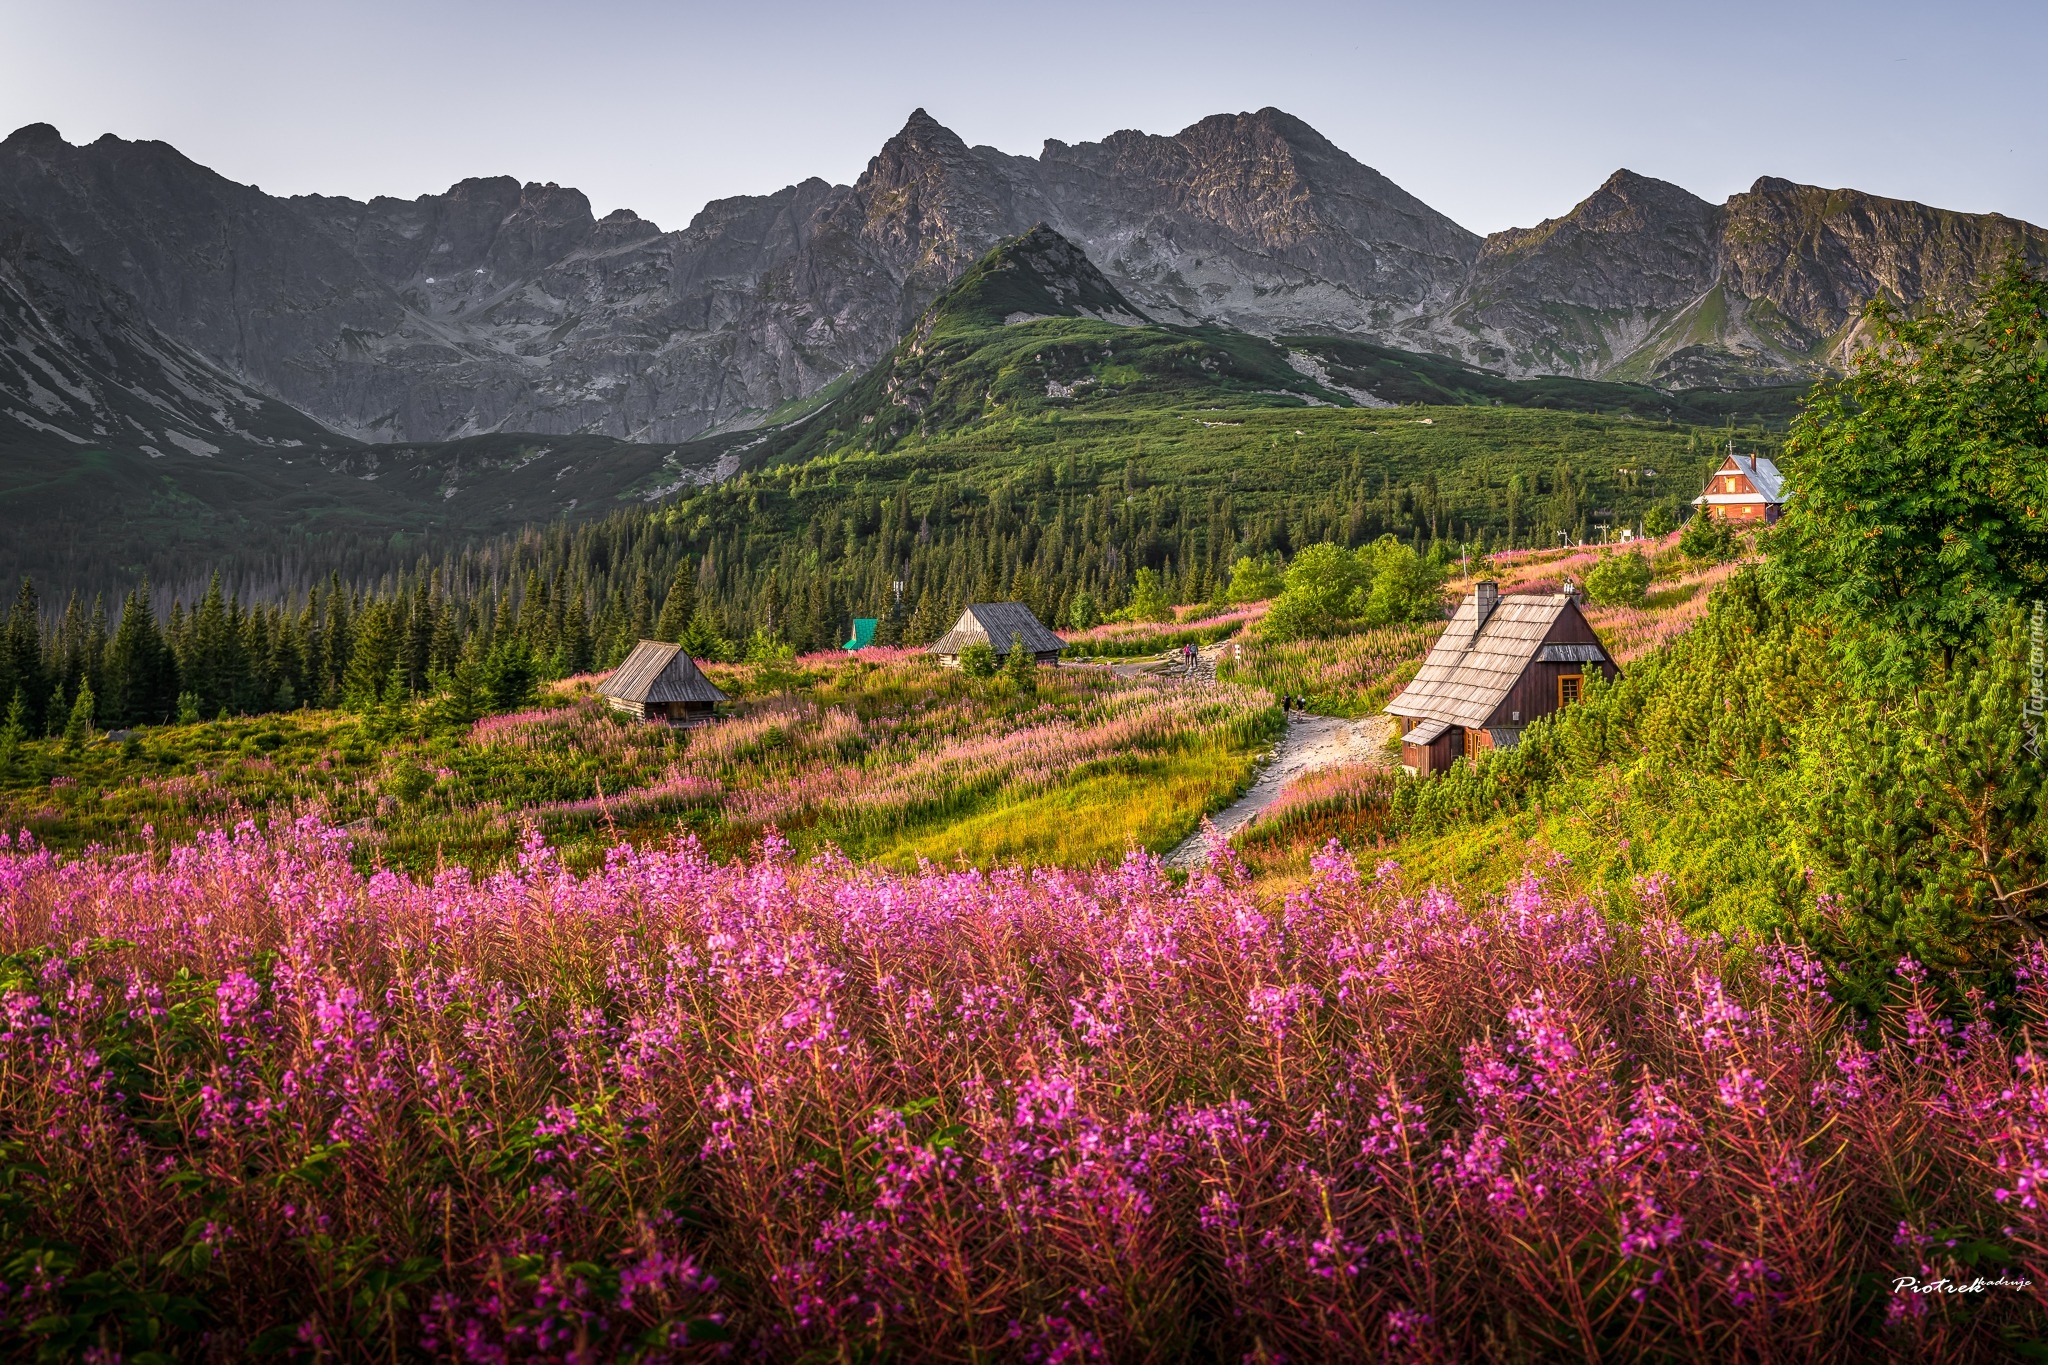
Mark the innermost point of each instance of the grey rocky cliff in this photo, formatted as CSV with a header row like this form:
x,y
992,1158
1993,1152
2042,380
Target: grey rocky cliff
x,y
502,306
1644,281
81,367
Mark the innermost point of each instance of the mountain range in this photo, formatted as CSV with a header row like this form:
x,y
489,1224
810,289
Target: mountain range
x,y
155,304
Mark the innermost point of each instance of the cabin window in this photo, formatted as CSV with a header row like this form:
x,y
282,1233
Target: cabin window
x,y
1730,485
1472,745
1568,688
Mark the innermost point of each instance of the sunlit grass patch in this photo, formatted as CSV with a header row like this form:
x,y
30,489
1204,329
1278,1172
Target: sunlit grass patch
x,y
1097,815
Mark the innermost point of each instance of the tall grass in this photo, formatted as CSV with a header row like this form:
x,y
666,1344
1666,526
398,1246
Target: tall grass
x,y
853,749
256,1100
1341,675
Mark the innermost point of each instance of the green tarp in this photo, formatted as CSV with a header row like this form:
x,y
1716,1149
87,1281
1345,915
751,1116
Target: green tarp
x,y
863,633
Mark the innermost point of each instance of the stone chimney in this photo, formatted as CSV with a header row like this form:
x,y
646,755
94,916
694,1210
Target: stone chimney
x,y
1485,597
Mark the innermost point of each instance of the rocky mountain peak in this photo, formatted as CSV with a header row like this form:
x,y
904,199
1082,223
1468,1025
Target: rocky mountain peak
x,y
1625,203
33,135
1818,255
929,205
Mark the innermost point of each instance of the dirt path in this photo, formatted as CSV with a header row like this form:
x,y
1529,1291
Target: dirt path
x,y
1311,743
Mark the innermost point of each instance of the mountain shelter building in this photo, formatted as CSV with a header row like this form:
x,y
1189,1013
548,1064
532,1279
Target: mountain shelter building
x,y
1745,490
1501,663
992,624
661,682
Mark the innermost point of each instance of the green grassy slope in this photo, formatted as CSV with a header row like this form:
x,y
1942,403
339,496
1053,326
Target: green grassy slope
x,y
1020,339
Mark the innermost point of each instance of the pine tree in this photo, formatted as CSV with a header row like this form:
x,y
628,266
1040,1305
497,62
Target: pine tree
x,y
640,620
575,650
78,727
22,654
419,630
926,625
142,675
679,606
14,732
371,660
214,664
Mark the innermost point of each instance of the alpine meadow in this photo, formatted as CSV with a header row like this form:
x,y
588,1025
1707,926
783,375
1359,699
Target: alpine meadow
x,y
1150,753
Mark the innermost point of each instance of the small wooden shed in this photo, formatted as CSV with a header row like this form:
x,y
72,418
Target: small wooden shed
x,y
1501,663
661,682
992,624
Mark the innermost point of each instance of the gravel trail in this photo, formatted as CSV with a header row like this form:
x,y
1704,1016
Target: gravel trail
x,y
1311,743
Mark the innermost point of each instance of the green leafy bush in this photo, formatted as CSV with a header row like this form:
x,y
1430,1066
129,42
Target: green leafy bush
x,y
1922,477
1149,599
1254,580
1619,580
1020,667
1330,590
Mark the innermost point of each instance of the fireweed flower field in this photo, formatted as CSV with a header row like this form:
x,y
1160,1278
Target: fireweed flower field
x,y
254,1099
1192,626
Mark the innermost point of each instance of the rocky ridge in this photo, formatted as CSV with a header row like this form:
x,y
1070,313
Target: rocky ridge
x,y
501,306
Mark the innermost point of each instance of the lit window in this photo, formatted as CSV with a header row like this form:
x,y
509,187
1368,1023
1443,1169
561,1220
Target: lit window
x,y
1568,688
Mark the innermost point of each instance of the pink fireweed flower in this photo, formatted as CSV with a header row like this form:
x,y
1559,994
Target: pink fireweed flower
x,y
1276,1008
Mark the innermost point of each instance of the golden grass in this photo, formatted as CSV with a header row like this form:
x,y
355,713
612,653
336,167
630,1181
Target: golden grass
x,y
1095,816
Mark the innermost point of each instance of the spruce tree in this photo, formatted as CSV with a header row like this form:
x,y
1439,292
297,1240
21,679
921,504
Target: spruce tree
x,y
14,732
371,660
78,726
679,606
22,655
142,675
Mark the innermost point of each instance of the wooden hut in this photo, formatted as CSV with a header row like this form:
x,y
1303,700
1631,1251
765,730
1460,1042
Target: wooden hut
x,y
1501,663
992,624
1746,490
661,682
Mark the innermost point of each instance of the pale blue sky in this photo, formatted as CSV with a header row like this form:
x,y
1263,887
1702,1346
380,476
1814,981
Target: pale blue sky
x,y
1497,114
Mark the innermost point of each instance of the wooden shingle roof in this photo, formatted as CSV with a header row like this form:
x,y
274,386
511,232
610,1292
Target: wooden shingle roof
x,y
1467,675
655,672
994,623
1425,732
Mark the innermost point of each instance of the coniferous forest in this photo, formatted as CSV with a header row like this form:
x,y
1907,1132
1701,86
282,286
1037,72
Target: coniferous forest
x,y
1059,514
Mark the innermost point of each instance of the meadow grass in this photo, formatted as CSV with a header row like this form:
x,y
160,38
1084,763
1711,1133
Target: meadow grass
x,y
825,749
1349,674
1098,815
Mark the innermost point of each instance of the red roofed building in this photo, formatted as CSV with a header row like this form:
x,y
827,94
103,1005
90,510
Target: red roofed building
x,y
1746,490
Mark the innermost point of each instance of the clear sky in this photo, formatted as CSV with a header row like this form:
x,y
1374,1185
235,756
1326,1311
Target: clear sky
x,y
1497,114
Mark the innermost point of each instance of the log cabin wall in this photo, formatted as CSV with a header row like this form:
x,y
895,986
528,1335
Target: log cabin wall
x,y
1535,693
1435,756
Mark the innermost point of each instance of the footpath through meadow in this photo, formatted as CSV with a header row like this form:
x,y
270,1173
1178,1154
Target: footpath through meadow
x,y
1310,744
